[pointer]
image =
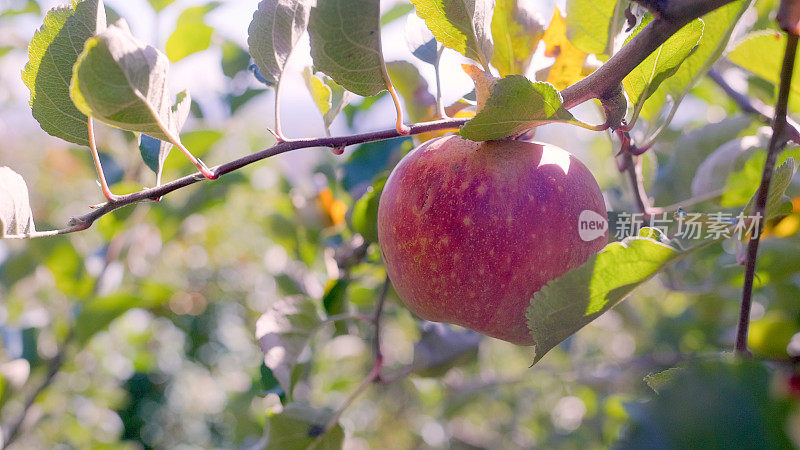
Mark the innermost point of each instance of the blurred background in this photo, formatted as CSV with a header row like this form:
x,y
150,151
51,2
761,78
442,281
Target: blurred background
x,y
142,328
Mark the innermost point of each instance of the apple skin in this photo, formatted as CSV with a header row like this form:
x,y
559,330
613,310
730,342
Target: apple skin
x,y
469,231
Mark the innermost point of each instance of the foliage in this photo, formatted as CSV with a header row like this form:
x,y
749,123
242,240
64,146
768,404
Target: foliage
x,y
243,312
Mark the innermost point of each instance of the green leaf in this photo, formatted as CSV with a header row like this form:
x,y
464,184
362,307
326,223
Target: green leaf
x,y
52,53
645,79
123,83
567,304
95,315
761,52
329,97
154,152
346,44
30,7
274,31
514,106
397,11
15,208
776,196
299,426
589,24
419,102
711,404
516,31
659,380
283,333
159,5
369,160
365,212
742,184
235,59
191,33
719,25
463,25
714,171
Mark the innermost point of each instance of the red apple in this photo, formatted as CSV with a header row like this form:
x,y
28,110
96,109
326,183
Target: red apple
x,y
469,231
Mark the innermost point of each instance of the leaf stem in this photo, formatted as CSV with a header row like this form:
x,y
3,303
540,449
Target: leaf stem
x,y
439,104
776,144
278,131
96,158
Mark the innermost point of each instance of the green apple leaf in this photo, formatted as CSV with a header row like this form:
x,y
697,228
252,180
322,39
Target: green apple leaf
x,y
463,25
590,24
283,333
397,11
742,183
659,380
346,44
567,304
514,106
761,52
52,53
730,157
299,426
777,200
123,83
329,97
16,217
419,102
159,5
719,25
645,79
191,33
365,211
235,59
516,31
154,151
276,27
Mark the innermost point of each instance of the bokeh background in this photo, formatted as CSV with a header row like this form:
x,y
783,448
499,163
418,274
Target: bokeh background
x,y
153,310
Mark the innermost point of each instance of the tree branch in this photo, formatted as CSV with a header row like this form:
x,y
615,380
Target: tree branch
x,y
603,84
776,144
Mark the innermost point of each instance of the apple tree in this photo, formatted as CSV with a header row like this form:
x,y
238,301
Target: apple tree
x,y
547,224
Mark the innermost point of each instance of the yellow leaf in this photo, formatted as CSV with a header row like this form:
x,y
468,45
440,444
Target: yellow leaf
x,y
569,65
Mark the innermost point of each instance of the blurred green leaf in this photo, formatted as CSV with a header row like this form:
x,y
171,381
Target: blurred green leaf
x,y
30,7
741,185
589,24
644,80
419,102
397,11
235,102
159,5
516,31
52,53
441,347
235,59
97,313
711,404
659,380
69,272
761,52
463,25
566,304
191,33
368,160
283,333
298,426
345,44
365,211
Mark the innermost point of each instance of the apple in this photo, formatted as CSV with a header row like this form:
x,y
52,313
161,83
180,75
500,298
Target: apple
x,y
469,231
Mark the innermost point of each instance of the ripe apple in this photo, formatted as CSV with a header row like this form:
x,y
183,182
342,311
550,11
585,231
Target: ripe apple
x,y
469,231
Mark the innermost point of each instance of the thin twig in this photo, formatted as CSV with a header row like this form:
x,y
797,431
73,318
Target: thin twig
x,y
776,144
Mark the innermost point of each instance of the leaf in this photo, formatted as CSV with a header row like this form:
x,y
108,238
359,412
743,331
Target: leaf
x,y
711,404
52,53
761,52
776,196
276,27
346,44
714,171
154,152
283,333
516,31
396,12
370,159
568,67
441,347
719,25
514,106
298,426
567,304
664,62
463,25
191,33
16,217
419,102
743,183
420,40
660,380
365,211
235,59
98,313
329,97
159,5
589,24
123,83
